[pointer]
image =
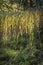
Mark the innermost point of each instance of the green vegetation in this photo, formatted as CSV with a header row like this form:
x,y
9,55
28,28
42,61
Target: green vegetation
x,y
21,32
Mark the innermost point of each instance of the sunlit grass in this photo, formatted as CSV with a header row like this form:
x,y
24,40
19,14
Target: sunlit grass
x,y
20,24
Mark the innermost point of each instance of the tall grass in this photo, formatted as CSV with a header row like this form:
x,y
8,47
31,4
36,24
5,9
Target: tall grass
x,y
14,26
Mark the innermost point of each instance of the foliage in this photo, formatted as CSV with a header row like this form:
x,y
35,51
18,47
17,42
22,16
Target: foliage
x,y
21,32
